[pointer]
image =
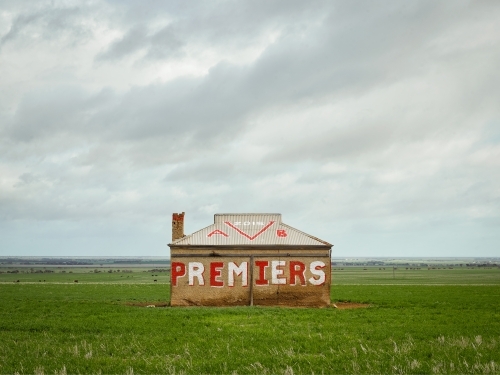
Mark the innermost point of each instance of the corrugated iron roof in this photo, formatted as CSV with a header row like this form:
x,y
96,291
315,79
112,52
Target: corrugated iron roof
x,y
249,229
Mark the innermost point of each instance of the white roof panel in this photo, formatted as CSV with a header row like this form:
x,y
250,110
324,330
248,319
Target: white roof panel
x,y
249,229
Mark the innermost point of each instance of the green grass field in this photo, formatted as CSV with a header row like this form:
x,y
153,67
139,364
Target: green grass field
x,y
413,325
401,275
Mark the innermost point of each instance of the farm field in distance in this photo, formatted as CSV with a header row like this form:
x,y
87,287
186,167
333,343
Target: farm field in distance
x,y
445,319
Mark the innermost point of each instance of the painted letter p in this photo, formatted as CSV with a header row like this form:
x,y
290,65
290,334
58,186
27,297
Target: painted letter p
x,y
178,270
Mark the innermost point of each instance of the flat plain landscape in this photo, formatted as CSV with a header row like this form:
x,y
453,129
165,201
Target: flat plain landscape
x,y
438,319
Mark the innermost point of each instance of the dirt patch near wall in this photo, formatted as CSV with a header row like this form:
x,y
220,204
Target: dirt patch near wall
x,y
349,305
148,304
336,305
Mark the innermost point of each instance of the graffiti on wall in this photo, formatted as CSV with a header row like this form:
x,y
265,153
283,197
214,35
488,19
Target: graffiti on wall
x,y
269,272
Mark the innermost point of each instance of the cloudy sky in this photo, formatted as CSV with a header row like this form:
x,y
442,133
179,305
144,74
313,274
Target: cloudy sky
x,y
372,125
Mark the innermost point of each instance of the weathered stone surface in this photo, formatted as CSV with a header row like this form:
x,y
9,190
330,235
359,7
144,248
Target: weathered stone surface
x,y
272,280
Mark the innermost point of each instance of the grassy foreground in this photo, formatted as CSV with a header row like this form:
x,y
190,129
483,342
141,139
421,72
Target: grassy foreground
x,y
91,328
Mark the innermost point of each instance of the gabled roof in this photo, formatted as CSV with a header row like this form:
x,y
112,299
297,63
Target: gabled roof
x,y
249,230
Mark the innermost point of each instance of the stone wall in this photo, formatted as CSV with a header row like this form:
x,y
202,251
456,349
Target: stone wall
x,y
260,277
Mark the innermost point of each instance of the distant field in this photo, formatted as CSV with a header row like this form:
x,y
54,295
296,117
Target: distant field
x,y
132,275
98,326
404,275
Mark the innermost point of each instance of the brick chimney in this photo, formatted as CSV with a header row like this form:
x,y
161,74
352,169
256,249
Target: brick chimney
x,y
177,226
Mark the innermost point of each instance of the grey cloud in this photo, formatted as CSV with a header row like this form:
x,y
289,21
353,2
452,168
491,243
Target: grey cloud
x,y
18,26
218,107
156,46
47,112
165,44
27,179
232,21
220,167
202,171
48,23
288,71
134,40
227,25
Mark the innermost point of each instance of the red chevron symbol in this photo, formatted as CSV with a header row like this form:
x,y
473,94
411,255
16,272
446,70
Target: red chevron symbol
x,y
217,231
251,238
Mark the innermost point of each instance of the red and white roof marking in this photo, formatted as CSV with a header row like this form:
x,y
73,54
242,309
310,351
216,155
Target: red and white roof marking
x,y
249,229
